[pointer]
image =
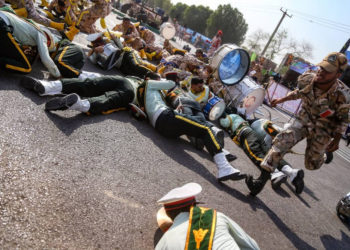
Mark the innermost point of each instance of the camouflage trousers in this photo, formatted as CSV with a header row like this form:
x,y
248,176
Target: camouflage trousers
x,y
317,141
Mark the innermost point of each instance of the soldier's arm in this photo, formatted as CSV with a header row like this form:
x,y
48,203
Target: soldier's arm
x,y
45,56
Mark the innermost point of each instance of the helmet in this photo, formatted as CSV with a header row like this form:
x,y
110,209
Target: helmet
x,y
343,208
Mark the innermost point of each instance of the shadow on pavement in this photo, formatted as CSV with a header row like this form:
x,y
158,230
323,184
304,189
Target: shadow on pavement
x,y
157,236
330,243
290,235
298,196
67,124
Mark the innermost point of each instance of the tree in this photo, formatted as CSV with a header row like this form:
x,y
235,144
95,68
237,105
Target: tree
x,y
278,44
256,40
177,11
230,21
303,49
196,17
281,43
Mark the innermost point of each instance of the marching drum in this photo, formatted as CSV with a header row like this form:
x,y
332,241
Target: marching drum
x,y
167,30
247,95
214,108
107,58
230,63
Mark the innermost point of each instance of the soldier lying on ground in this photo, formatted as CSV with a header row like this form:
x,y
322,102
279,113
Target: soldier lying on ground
x,y
23,40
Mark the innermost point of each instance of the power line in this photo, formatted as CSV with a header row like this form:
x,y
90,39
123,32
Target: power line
x,y
322,19
347,31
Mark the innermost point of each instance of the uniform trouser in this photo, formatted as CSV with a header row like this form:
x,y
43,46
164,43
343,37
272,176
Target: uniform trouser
x,y
69,59
105,94
171,124
133,66
11,55
317,141
255,151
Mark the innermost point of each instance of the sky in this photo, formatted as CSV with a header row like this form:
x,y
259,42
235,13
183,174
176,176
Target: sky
x,y
325,24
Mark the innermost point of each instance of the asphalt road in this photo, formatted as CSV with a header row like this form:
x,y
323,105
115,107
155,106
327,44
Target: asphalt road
x,y
71,181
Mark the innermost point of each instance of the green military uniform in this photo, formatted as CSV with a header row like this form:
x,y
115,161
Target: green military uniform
x,y
322,115
132,64
69,59
105,94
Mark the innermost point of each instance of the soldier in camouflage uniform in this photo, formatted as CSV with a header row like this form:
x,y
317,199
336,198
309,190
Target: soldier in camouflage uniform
x,y
26,8
323,116
63,9
100,9
128,29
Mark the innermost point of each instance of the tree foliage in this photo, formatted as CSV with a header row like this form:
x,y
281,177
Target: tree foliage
x,y
177,11
256,40
230,21
195,17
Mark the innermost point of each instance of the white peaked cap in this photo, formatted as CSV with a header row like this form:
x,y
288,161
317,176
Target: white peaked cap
x,y
181,193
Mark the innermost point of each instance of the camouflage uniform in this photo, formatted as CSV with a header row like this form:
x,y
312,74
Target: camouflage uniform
x,y
100,9
147,35
32,13
69,7
321,116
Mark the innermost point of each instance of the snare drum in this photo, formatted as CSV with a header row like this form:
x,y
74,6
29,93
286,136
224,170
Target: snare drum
x,y
167,30
107,58
231,64
214,108
247,95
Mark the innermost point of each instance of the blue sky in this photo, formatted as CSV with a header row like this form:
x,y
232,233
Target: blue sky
x,y
325,24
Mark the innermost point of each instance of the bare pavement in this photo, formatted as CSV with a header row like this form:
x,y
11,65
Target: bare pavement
x,y
72,181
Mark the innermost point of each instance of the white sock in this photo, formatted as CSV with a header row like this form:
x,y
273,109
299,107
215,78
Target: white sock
x,y
225,151
81,105
52,87
290,172
276,174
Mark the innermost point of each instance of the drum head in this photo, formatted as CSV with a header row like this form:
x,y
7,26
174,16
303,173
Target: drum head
x,y
234,66
217,110
167,30
253,100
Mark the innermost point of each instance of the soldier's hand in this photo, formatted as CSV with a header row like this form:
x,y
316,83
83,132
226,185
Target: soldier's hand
x,y
334,145
274,102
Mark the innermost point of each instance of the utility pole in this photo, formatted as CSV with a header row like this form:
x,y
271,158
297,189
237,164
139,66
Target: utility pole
x,y
274,32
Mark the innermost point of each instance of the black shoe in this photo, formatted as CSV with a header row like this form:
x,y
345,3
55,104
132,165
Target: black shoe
x,y
298,182
230,157
32,84
329,157
254,186
234,177
62,103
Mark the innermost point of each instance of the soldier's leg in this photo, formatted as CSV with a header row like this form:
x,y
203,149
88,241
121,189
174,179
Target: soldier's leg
x,y
110,101
282,143
317,143
131,65
69,60
11,55
173,125
91,87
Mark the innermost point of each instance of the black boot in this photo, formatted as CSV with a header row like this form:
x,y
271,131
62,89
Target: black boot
x,y
32,84
256,185
62,103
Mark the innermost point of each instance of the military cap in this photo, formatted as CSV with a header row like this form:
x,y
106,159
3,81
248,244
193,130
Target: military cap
x,y
334,62
180,197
